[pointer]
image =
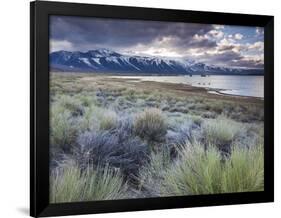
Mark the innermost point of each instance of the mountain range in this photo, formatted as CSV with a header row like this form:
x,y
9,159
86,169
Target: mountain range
x,y
107,61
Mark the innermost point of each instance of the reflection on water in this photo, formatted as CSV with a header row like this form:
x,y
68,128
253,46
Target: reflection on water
x,y
233,85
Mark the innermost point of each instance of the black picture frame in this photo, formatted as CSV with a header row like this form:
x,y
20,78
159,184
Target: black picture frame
x,y
39,108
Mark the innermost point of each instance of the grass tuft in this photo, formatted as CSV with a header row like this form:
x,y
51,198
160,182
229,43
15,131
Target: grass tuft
x,y
72,104
70,184
203,172
221,132
108,120
151,174
151,125
63,130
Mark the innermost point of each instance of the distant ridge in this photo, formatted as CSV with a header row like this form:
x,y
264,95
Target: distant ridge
x,y
104,60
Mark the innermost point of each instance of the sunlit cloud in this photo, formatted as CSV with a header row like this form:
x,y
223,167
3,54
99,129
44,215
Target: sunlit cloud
x,y
216,34
259,31
238,36
57,45
218,27
257,46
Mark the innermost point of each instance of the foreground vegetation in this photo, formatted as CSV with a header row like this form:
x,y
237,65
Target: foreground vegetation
x,y
114,139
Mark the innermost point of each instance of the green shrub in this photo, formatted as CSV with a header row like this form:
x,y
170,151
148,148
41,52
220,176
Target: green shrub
x,y
70,184
203,172
130,95
151,174
121,103
72,104
87,121
220,132
63,129
209,115
245,170
197,120
151,125
217,106
66,185
87,99
97,118
108,120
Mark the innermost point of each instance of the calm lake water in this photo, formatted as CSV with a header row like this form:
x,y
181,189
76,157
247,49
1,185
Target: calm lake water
x,y
232,85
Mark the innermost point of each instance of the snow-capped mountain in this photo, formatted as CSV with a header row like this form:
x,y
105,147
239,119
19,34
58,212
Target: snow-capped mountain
x,y
104,60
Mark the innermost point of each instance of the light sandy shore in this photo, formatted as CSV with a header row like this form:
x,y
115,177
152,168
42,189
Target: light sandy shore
x,y
179,89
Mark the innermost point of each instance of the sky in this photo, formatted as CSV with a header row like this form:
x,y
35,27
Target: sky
x,y
221,45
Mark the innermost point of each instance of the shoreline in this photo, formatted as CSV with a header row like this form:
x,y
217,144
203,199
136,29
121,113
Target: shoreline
x,y
183,89
180,89
217,91
147,74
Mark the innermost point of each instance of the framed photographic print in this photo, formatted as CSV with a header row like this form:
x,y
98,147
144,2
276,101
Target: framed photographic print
x,y
141,109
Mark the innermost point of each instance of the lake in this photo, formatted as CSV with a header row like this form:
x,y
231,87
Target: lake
x,y
232,85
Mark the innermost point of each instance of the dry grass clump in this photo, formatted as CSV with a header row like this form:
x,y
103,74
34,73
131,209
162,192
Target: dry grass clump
x,y
151,125
220,132
108,120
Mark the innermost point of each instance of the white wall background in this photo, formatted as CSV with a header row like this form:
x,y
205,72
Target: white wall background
x,y
14,107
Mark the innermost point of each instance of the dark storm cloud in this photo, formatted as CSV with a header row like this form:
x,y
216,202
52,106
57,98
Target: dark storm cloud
x,y
204,43
200,42
125,33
